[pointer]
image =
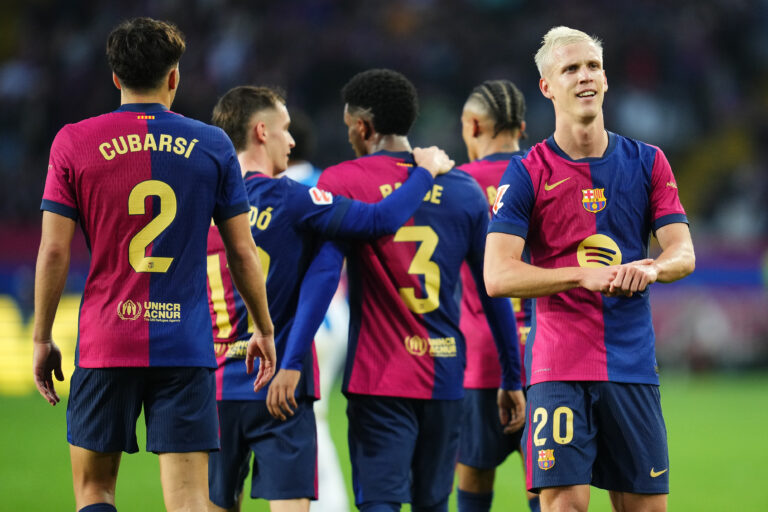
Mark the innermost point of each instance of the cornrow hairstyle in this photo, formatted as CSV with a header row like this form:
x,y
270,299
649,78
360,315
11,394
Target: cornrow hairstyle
x,y
142,50
504,103
234,110
388,96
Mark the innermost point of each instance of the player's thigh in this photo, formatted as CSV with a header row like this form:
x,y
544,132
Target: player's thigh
x,y
184,478
228,467
437,445
94,475
632,445
285,453
631,502
482,442
382,437
559,439
103,406
180,410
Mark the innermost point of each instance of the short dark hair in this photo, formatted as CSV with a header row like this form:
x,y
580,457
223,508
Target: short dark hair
x,y
388,95
141,51
504,103
234,110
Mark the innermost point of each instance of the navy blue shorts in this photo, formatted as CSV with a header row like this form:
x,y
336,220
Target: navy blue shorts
x,y
483,443
179,409
402,449
285,453
607,434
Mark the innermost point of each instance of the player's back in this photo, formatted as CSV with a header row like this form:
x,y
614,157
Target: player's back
x,y
144,183
286,247
404,302
483,370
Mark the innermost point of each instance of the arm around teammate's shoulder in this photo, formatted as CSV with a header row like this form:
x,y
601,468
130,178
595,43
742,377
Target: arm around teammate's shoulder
x,y
246,271
507,275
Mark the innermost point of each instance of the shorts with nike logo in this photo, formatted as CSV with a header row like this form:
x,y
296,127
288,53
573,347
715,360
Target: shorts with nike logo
x,y
607,434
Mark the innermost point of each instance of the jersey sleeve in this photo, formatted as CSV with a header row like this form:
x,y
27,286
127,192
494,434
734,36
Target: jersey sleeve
x,y
59,195
315,295
231,197
665,201
498,312
341,217
514,201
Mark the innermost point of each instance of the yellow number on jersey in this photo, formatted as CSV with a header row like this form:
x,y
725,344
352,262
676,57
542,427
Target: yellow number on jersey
x,y
540,418
137,248
216,282
421,265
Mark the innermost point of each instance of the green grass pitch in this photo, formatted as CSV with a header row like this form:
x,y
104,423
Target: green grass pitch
x,y
717,439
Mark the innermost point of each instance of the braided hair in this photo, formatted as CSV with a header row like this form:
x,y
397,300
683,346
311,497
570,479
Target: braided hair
x,y
503,102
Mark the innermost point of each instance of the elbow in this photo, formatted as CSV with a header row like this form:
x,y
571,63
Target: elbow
x,y
690,265
493,286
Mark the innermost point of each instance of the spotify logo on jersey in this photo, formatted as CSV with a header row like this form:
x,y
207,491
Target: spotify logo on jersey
x,y
598,251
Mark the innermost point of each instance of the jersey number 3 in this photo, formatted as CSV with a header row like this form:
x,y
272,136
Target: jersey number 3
x,y
137,248
421,265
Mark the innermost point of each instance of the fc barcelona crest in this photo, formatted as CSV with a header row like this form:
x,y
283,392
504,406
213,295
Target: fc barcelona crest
x,y
546,459
593,199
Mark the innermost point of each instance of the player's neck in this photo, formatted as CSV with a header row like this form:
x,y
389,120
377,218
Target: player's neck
x,y
502,143
162,97
388,143
254,160
582,140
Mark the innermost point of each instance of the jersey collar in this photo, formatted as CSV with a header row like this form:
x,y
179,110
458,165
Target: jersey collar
x,y
142,107
495,157
554,147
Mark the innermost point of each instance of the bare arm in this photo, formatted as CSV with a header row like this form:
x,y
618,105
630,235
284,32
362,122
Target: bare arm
x,y
676,261
50,277
245,268
506,275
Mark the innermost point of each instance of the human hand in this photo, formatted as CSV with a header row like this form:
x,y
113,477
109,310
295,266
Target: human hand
x,y
633,277
433,159
262,347
46,360
511,410
598,279
280,397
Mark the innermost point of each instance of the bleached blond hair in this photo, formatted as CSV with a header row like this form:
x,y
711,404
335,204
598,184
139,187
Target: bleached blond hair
x,y
562,36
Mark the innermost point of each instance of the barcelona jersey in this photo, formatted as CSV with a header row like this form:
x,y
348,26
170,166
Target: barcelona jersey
x,y
483,370
289,221
144,184
590,212
404,338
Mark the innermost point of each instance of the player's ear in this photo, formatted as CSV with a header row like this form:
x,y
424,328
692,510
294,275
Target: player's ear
x,y
605,80
475,127
366,130
173,78
260,132
544,88
116,81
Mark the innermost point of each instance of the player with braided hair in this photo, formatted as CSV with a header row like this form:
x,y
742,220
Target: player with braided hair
x,y
493,122
405,361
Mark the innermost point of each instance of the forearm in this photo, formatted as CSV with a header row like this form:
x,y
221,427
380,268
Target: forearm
x,y
675,263
50,277
515,278
317,290
386,216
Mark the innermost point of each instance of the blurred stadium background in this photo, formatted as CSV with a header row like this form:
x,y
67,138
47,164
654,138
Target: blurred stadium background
x,y
689,76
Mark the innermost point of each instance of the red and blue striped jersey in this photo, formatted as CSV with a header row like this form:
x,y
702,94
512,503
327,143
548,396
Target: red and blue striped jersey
x,y
483,369
404,289
589,212
144,184
289,221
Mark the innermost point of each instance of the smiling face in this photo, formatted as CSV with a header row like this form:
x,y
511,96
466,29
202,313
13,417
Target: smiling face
x,y
575,81
278,140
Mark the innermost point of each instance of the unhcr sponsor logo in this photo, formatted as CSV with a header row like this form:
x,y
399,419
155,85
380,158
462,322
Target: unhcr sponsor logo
x,y
149,311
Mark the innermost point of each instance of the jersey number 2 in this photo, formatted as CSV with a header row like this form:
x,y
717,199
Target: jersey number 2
x,y
421,265
137,248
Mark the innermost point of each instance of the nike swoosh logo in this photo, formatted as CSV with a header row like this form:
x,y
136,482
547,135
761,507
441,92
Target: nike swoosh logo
x,y
654,474
549,187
